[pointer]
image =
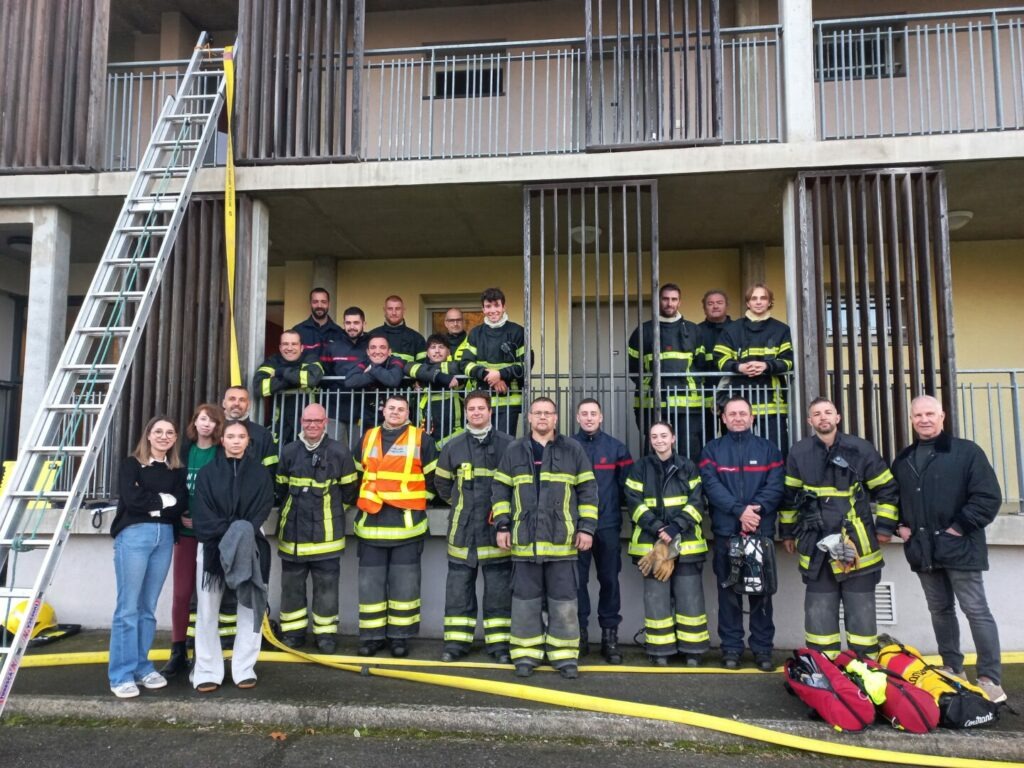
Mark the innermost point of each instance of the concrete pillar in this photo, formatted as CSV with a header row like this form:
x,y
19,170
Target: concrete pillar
x,y
752,266
798,69
325,275
47,305
790,250
251,336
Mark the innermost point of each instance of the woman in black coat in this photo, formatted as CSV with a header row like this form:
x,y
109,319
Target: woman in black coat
x,y
232,487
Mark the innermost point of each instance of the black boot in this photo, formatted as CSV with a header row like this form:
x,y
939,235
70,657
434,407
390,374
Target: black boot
x,y
584,642
610,646
178,661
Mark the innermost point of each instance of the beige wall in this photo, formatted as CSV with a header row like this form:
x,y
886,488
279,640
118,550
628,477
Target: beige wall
x,y
987,281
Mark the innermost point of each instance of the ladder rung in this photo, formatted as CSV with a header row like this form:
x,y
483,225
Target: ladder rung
x,y
21,593
185,116
159,206
120,263
26,544
170,171
103,330
86,367
74,450
172,143
159,230
128,295
197,96
42,496
71,407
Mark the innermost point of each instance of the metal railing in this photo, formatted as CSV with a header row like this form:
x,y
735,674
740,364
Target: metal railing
x,y
472,100
920,73
991,406
135,95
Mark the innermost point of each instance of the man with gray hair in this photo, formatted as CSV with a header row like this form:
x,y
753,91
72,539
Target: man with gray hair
x,y
948,494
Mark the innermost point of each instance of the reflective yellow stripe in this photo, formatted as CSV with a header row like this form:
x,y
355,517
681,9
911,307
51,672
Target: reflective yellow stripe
x,y
403,621
822,639
325,620
667,639
372,607
526,653
491,553
635,485
502,622
794,482
292,615
373,623
888,511
659,623
404,605
787,516
878,480
692,637
691,621
559,642
459,621
527,642
853,639
460,637
558,477
562,655
303,549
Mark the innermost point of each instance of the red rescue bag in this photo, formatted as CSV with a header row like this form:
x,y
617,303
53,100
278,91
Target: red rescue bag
x,y
906,707
830,694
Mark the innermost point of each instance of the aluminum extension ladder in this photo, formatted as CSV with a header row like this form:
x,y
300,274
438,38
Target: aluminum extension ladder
x,y
60,450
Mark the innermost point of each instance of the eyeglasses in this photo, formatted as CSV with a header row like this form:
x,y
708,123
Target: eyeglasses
x,y
453,319
313,421
163,433
547,414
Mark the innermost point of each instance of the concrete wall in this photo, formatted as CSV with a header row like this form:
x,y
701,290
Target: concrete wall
x,y
84,590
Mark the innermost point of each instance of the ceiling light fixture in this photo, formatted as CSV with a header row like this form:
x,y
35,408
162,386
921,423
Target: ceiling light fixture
x,y
19,243
958,219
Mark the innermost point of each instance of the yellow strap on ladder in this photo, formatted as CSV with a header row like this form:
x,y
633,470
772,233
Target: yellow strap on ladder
x,y
229,213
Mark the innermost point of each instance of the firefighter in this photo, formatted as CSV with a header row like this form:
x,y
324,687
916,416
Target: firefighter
x,y
455,328
757,350
407,345
492,357
397,462
544,507
375,374
316,478
680,353
318,330
289,369
825,517
611,462
664,495
742,476
343,358
463,480
715,303
440,408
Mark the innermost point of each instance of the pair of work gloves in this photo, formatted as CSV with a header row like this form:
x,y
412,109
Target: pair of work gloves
x,y
661,560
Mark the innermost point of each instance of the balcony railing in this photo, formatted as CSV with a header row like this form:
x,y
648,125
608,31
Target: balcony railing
x,y
920,74
475,100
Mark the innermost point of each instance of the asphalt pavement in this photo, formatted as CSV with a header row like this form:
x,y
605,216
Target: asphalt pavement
x,y
306,697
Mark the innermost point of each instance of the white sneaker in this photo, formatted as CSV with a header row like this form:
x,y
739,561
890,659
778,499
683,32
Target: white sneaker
x,y
153,680
127,690
992,689
954,672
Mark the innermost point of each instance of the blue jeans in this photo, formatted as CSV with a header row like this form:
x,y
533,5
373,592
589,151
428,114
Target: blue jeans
x,y
943,589
142,557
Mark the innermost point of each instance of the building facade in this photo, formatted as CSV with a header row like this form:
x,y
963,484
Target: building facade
x,y
864,160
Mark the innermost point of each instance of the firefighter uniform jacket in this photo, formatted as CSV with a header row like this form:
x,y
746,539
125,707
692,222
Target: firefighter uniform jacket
x,y
277,374
611,462
315,337
837,482
544,510
398,476
406,344
681,353
738,469
261,445
463,479
666,495
768,341
314,487
342,356
440,407
709,335
502,348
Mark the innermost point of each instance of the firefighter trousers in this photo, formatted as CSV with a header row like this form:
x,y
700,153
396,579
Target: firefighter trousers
x,y
389,591
606,553
553,583
821,612
674,616
294,613
460,605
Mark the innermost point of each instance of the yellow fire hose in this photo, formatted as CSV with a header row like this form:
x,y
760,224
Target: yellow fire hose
x,y
406,671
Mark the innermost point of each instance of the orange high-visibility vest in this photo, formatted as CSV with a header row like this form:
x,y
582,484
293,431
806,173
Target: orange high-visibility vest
x,y
395,477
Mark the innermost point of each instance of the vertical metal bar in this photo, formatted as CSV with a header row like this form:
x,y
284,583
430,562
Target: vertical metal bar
x,y
358,46
910,276
556,258
944,299
864,300
885,439
899,326
850,296
925,281
997,72
835,293
1015,391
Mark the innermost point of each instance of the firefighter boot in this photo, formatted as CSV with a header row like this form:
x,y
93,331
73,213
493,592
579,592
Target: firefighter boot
x,y
610,646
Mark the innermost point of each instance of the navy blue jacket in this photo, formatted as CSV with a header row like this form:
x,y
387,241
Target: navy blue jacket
x,y
316,338
611,462
738,469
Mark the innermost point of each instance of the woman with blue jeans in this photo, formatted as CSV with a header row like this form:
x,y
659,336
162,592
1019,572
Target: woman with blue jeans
x,y
153,494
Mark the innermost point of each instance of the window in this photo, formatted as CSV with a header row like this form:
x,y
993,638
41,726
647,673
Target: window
x,y
844,330
464,78
859,53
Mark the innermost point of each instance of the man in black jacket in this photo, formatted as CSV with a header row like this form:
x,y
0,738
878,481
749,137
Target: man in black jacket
x,y
378,372
407,345
679,353
948,494
742,475
612,463
342,358
318,330
463,480
316,477
290,369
